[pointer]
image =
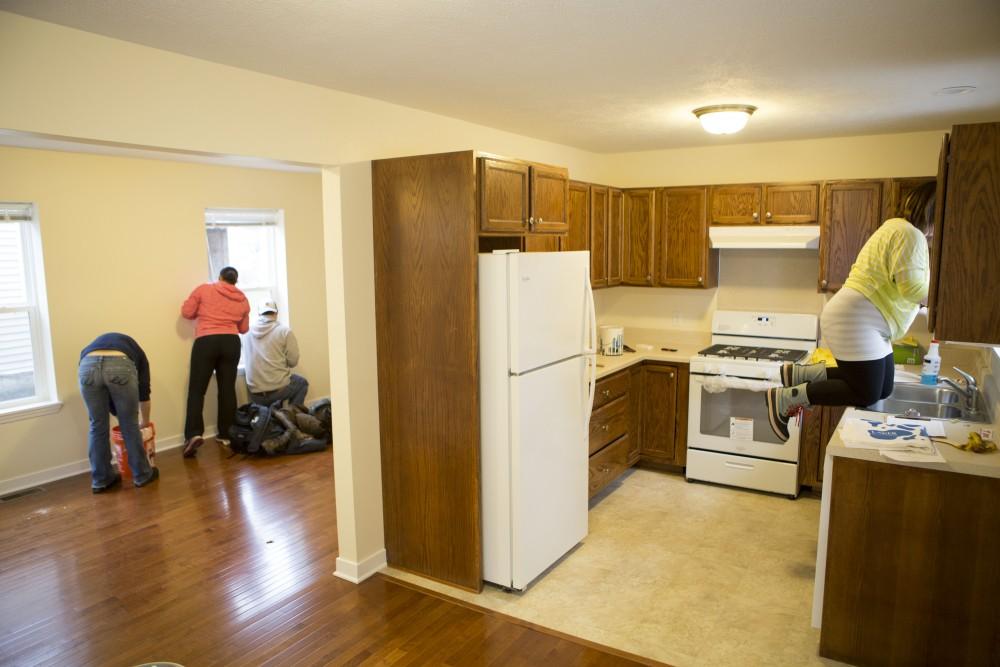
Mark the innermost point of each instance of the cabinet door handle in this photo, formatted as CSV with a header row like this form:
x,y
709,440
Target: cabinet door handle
x,y
540,220
756,215
606,428
823,283
701,279
768,215
606,393
670,375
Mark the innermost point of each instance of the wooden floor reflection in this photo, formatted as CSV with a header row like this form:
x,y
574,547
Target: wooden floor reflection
x,y
224,562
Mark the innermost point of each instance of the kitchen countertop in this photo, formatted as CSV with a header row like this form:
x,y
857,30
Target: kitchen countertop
x,y
956,460
687,344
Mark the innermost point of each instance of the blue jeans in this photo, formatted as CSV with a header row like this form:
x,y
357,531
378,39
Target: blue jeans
x,y
294,392
103,381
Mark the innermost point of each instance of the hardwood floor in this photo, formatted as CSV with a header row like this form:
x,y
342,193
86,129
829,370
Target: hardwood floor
x,y
225,561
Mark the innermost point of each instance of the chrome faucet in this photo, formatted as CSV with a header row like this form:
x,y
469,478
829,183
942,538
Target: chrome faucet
x,y
970,392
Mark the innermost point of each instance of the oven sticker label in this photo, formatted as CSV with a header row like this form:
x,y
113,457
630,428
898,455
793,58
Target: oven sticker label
x,y
741,428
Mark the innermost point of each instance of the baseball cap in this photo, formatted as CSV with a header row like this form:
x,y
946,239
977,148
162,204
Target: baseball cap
x,y
268,307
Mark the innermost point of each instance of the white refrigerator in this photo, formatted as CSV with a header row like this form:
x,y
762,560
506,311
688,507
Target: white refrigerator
x,y
537,333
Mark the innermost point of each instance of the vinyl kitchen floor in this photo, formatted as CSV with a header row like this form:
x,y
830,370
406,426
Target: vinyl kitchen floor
x,y
686,574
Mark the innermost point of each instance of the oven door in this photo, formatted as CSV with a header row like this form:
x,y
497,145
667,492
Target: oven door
x,y
711,427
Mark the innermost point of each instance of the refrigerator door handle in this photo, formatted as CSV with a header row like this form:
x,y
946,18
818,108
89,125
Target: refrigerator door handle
x,y
590,353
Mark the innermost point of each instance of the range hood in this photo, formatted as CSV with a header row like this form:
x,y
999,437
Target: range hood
x,y
765,236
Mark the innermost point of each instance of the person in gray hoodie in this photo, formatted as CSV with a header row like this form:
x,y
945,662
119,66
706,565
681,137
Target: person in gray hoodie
x,y
271,353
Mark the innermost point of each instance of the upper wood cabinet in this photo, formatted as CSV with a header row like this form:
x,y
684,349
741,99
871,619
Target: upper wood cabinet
x,y
541,242
771,203
851,213
518,197
599,257
639,237
579,217
967,274
935,239
616,235
503,195
791,204
683,256
736,204
549,199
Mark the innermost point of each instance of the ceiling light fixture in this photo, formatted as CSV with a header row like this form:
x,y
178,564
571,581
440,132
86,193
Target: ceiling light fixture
x,y
724,118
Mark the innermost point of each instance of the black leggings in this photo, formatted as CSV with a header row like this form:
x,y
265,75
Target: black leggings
x,y
855,383
219,354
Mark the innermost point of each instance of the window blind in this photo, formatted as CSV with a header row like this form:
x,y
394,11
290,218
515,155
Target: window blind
x,y
14,212
223,217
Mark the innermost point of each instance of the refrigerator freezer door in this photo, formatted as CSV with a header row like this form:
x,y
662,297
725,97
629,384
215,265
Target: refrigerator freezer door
x,y
549,316
548,466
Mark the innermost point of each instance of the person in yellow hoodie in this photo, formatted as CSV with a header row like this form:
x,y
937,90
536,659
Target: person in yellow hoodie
x,y
877,304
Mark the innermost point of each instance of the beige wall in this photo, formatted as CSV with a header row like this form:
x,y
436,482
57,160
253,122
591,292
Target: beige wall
x,y
124,243
874,156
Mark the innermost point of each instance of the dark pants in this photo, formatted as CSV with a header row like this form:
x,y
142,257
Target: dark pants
x,y
855,383
294,392
219,354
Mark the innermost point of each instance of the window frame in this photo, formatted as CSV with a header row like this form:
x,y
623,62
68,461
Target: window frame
x,y
36,306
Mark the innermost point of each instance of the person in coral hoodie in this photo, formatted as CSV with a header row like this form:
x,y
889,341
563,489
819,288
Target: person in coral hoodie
x,y
222,313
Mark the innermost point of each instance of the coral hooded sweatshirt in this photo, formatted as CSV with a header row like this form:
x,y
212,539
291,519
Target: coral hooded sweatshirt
x,y
219,307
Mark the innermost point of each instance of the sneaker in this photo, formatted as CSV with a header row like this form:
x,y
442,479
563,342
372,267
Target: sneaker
x,y
223,441
107,487
796,374
191,446
782,402
152,478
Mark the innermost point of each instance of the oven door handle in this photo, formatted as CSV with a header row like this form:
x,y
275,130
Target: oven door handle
x,y
738,466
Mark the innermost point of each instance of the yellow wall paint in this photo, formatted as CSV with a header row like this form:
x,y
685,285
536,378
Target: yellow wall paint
x,y
124,243
874,156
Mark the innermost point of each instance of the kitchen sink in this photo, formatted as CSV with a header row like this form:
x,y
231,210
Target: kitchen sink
x,y
922,393
935,402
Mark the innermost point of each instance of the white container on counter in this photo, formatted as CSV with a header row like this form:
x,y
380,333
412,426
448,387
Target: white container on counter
x,y
612,340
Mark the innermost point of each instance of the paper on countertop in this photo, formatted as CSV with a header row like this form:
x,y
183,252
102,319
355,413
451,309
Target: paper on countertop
x,y
933,429
873,434
929,454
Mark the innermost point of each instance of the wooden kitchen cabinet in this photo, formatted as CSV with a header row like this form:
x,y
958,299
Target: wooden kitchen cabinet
x,y
599,248
659,413
612,432
639,237
965,266
736,204
579,217
540,242
683,255
791,204
519,197
818,427
852,211
635,413
616,235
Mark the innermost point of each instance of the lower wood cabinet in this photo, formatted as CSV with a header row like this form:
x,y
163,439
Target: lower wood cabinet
x,y
663,436
640,415
818,426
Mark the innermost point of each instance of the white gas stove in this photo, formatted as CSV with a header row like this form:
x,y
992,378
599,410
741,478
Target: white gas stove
x,y
729,438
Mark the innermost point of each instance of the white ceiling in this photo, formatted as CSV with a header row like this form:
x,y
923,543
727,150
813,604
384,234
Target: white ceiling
x,y
605,75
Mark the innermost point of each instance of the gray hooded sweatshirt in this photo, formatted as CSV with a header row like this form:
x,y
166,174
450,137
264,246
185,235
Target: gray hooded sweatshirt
x,y
271,353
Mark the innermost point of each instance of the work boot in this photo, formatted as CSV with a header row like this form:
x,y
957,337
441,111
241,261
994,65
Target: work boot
x,y
782,402
795,374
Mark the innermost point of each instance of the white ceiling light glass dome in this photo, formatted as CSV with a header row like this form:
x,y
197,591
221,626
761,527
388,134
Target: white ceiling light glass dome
x,y
724,118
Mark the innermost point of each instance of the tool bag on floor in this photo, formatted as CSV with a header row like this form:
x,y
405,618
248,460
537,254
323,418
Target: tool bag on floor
x,y
271,431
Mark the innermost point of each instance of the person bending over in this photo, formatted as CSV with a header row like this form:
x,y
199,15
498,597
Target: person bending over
x,y
877,304
222,313
114,380
272,352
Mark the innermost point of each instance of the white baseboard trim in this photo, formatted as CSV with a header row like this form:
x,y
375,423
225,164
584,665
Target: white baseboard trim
x,y
358,572
77,467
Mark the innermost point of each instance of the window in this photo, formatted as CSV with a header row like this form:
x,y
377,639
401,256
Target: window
x,y
26,374
252,241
